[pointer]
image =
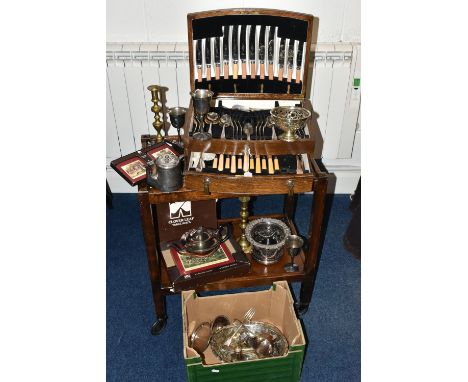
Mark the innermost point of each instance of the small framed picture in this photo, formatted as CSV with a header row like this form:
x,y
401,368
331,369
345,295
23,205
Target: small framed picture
x,y
154,152
130,167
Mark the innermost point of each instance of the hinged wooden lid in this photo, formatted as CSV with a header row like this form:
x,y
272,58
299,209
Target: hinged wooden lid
x,y
250,53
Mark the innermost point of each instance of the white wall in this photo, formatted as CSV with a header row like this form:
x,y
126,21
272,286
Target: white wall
x,y
166,21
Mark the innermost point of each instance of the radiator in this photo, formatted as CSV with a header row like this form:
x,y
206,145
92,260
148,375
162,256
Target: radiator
x,y
334,91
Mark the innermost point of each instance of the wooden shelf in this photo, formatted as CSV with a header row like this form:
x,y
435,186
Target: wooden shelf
x,y
259,274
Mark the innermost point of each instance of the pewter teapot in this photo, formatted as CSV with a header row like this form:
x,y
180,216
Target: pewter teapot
x,y
202,241
165,173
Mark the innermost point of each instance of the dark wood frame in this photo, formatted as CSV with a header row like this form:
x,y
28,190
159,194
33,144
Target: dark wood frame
x,y
253,11
159,147
115,164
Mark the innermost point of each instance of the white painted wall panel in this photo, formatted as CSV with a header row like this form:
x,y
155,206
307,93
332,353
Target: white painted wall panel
x,y
321,93
351,31
126,21
112,139
353,102
118,92
357,147
183,82
336,107
167,71
150,73
136,97
166,20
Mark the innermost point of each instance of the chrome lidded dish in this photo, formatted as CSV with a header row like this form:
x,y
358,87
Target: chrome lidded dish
x,y
267,237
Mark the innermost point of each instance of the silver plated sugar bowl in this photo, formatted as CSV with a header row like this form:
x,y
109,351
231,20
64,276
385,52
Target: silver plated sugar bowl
x,y
202,241
290,119
267,237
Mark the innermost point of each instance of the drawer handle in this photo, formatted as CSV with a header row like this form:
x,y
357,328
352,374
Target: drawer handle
x,y
290,187
206,185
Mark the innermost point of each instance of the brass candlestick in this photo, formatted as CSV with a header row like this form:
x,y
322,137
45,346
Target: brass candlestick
x,y
244,214
156,109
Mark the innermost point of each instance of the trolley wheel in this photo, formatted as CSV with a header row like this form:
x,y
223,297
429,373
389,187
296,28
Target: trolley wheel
x,y
301,308
158,326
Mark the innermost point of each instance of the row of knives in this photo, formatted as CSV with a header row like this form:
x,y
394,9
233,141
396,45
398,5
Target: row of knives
x,y
248,165
258,49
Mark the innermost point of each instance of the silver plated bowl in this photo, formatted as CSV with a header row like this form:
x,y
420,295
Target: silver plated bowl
x,y
289,119
267,237
246,348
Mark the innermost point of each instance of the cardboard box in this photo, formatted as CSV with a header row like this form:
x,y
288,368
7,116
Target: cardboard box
x,y
274,306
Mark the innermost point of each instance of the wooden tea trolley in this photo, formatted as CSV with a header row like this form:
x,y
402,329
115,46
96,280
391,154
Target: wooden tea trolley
x,y
253,60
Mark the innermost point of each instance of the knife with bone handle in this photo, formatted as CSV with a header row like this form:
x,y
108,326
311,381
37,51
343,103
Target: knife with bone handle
x,y
261,52
233,164
243,53
208,58
221,162
226,51
281,59
300,51
246,158
235,52
276,164
253,69
290,59
217,60
198,58
271,51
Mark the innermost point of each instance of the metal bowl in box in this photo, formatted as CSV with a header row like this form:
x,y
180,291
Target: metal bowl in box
x,y
267,237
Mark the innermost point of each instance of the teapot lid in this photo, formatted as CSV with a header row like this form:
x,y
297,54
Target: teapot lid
x,y
167,161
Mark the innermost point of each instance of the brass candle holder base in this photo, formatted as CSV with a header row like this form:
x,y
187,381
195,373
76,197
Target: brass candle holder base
x,y
244,214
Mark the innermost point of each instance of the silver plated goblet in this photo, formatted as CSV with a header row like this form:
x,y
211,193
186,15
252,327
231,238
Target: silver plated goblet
x,y
201,105
177,117
294,244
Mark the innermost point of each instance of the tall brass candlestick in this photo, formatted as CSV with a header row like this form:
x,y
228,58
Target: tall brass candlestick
x,y
244,214
156,109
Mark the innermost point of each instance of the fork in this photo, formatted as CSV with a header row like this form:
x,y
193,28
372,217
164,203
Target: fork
x,y
247,317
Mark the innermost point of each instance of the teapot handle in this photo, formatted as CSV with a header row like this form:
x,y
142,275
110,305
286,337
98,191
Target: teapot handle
x,y
228,232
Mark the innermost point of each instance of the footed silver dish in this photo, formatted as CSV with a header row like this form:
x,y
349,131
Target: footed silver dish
x,y
267,237
289,119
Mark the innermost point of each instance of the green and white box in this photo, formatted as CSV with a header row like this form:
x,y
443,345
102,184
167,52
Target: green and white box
x,y
274,306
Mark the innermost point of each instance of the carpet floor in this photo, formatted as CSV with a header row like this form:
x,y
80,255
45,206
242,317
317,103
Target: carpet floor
x,y
332,324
